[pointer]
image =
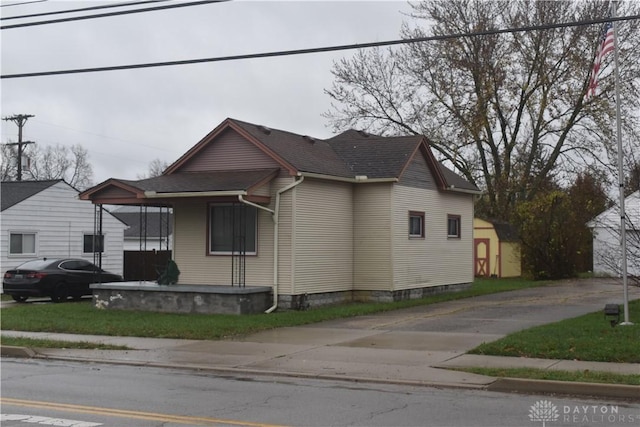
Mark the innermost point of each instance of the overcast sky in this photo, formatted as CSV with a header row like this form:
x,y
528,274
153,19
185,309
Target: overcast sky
x,y
126,119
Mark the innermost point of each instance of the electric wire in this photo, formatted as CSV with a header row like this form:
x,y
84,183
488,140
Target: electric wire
x,y
109,14
317,49
23,3
83,9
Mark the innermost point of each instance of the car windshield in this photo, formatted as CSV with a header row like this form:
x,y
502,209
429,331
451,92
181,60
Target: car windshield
x,y
36,264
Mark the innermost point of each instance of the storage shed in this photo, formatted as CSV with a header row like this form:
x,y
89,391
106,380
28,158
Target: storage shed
x,y
496,249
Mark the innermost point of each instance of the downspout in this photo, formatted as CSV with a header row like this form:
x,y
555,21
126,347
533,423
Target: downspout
x,y
275,241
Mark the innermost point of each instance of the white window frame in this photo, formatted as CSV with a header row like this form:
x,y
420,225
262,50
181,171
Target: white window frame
x,y
416,215
23,233
458,220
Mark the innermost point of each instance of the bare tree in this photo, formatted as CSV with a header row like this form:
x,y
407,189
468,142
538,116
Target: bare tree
x,y
52,162
156,168
9,167
505,110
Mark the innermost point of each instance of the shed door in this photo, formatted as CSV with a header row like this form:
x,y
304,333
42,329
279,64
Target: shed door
x,y
481,256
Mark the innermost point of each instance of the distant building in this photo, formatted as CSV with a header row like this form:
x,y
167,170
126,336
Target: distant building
x,y
607,254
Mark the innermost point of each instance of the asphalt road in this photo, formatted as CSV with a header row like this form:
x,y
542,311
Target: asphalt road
x,y
38,392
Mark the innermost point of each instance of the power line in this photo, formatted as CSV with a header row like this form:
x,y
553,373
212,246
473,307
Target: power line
x,y
83,9
23,3
317,49
108,14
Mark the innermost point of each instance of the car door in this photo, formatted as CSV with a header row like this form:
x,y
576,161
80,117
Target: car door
x,y
79,274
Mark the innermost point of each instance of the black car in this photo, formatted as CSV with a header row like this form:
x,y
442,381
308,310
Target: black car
x,y
55,278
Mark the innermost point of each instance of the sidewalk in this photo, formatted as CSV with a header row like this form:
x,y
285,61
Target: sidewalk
x,y
417,346
324,353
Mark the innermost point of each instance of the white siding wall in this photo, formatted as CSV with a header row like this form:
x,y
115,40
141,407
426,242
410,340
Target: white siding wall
x,y
373,265
323,237
436,259
60,221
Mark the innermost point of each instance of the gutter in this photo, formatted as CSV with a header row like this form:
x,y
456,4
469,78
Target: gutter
x,y
275,218
464,190
359,179
155,195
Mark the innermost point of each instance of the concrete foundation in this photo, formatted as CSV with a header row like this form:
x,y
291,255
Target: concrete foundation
x,y
201,299
210,299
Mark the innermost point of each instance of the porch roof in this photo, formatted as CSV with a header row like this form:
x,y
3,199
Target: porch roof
x,y
191,184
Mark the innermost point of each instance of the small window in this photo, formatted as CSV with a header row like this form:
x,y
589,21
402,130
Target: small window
x,y
22,244
233,229
416,224
453,226
93,243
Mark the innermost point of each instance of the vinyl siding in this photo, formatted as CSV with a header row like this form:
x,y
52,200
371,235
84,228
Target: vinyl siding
x,y
228,152
436,259
418,174
60,221
323,237
372,237
198,268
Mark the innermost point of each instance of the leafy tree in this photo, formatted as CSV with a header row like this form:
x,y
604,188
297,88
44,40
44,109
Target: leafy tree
x,y
556,241
51,162
506,110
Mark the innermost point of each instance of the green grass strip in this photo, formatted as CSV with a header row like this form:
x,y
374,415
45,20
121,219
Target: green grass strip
x,y
553,375
45,343
589,337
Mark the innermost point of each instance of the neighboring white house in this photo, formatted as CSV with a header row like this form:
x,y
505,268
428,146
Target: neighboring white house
x,y
46,219
606,239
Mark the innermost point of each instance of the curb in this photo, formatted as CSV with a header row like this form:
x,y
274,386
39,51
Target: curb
x,y
14,351
529,386
504,385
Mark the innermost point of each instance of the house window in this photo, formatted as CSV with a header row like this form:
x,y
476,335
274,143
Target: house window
x,y
22,244
416,224
453,226
233,229
93,243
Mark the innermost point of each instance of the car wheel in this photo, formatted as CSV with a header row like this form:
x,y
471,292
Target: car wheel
x,y
19,298
60,293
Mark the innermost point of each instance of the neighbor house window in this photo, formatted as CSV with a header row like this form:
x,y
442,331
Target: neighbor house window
x,y
232,229
22,244
416,224
93,243
453,226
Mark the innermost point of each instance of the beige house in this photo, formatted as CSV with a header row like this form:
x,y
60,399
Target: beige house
x,y
356,216
496,249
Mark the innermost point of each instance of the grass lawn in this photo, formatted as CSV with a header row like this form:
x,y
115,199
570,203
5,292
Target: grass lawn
x,y
82,318
552,375
44,343
588,337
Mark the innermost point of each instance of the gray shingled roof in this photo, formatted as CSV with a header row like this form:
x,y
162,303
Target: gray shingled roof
x,y
305,153
372,155
14,192
202,181
348,154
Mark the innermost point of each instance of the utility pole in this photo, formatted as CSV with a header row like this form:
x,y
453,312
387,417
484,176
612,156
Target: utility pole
x,y
20,120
